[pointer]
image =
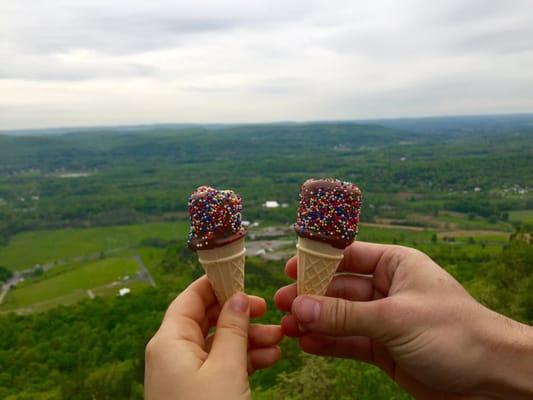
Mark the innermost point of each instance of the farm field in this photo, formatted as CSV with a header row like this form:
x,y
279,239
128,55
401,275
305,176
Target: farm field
x,y
521,216
72,285
48,246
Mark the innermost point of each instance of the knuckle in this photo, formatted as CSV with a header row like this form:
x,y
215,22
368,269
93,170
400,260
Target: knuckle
x,y
152,348
234,329
338,316
398,254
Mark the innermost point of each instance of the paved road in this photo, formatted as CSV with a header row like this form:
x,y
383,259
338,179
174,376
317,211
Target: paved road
x,y
6,286
144,271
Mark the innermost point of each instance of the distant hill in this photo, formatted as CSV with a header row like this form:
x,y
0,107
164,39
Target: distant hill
x,y
98,128
423,125
459,124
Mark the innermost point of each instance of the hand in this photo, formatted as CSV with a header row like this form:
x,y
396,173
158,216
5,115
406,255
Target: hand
x,y
183,362
408,316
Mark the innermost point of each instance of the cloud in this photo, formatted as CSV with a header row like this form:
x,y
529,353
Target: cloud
x,y
235,60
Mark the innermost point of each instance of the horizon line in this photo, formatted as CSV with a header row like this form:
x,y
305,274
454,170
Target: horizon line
x,y
278,122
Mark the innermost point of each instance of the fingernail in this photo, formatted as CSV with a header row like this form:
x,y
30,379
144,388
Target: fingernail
x,y
306,309
239,302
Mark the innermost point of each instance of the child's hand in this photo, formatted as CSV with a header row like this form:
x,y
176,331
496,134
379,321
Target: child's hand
x,y
183,362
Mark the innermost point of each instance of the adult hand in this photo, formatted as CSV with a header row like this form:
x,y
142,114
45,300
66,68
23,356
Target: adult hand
x,y
399,310
184,362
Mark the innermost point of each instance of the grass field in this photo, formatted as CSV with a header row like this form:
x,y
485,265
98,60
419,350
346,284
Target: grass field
x,y
524,216
70,286
41,247
68,283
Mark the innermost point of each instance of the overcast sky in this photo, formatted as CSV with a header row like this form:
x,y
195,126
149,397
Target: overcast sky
x,y
94,62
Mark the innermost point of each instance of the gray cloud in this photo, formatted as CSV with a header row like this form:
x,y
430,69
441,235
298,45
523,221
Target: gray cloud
x,y
130,27
234,60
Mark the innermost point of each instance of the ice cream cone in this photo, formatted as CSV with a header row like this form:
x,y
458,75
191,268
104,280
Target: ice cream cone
x,y
317,263
224,267
326,223
217,236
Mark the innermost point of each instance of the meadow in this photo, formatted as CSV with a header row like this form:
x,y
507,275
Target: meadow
x,y
71,284
49,246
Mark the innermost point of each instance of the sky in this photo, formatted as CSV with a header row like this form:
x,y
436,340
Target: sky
x,y
101,62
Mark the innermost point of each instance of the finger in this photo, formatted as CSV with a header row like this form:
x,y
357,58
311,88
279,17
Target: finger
x,y
339,317
263,358
349,287
289,326
258,336
359,257
185,315
291,268
363,257
230,345
257,309
355,347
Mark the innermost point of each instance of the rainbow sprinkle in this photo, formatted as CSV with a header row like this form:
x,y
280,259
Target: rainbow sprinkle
x,y
329,211
215,216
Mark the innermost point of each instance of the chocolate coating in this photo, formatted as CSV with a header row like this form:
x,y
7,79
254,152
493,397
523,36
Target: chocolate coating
x,y
329,211
215,218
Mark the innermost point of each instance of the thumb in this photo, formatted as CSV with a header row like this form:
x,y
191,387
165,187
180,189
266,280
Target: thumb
x,y
230,345
338,317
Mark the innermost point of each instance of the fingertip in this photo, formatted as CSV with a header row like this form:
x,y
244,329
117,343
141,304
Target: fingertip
x,y
239,303
291,268
285,296
289,326
263,358
258,306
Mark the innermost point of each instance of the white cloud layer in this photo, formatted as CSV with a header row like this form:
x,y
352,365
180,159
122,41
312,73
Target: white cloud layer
x,y
92,62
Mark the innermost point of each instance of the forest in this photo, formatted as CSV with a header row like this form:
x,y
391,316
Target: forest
x,y
459,189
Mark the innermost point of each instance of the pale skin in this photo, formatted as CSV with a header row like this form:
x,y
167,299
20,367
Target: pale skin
x,y
183,361
390,306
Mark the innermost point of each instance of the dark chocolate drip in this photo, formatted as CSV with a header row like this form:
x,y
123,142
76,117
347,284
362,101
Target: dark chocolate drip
x,y
313,235
202,244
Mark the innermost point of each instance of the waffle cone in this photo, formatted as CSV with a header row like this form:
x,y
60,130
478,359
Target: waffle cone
x,y
317,263
224,267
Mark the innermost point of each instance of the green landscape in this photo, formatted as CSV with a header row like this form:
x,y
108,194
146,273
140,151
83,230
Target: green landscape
x,y
84,214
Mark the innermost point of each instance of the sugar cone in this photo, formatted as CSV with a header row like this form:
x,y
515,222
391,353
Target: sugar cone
x,y
224,267
317,263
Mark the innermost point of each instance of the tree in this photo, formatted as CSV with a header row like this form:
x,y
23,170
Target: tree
x,y
5,274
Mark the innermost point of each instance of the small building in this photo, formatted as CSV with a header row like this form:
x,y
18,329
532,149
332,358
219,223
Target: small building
x,y
124,291
271,204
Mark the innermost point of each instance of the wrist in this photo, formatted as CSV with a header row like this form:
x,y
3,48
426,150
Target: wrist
x,y
508,359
